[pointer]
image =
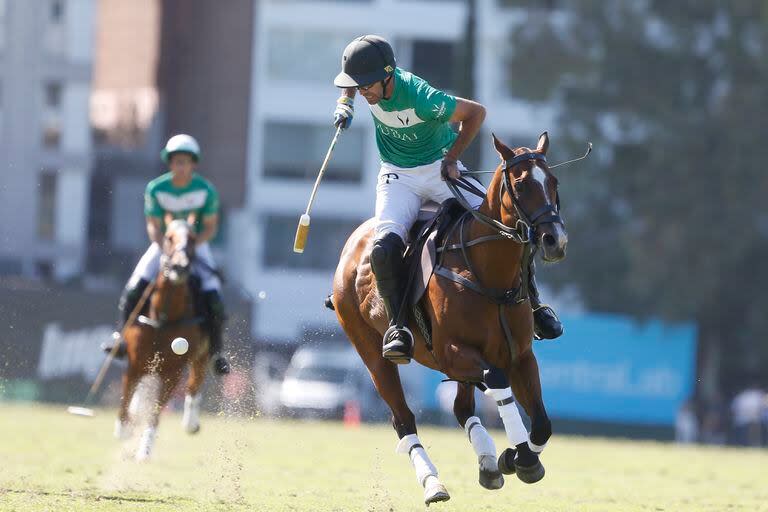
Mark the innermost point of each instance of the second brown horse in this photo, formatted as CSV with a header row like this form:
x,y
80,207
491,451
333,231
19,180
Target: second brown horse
x,y
150,358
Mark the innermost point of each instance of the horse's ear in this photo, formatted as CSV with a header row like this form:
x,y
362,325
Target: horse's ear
x,y
501,149
167,219
543,145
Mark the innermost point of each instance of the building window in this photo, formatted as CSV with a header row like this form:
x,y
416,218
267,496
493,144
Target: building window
x,y
3,9
53,95
296,54
435,62
46,206
326,239
52,98
294,151
57,11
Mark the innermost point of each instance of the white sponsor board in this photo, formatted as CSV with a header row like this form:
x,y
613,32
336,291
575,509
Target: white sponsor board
x,y
69,353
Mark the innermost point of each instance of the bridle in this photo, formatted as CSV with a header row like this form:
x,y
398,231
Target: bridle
x,y
524,230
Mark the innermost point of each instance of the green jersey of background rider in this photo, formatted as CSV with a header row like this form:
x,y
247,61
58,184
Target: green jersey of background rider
x,y
198,197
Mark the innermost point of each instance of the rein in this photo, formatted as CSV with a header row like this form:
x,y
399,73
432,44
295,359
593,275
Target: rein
x,y
522,233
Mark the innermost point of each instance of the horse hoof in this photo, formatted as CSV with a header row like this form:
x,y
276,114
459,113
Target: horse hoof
x,y
507,461
191,430
436,495
122,430
435,492
491,480
530,474
490,476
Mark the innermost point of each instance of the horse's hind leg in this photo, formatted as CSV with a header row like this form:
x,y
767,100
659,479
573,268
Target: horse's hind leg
x,y
191,418
485,449
386,378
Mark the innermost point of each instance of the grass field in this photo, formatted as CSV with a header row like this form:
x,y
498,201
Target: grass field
x,y
52,461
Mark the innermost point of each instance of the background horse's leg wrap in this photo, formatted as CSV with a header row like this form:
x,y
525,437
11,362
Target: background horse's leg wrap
x,y
411,446
479,438
494,378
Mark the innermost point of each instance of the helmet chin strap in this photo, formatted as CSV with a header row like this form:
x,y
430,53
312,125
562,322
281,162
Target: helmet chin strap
x,y
384,84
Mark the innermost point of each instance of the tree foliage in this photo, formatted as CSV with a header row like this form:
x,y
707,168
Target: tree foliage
x,y
670,217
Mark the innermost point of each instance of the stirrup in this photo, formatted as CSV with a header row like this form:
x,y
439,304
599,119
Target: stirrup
x,y
396,349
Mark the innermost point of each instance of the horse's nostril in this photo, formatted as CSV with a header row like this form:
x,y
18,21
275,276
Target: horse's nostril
x,y
549,239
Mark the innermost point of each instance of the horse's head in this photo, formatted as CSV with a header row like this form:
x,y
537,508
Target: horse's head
x,y
178,251
531,196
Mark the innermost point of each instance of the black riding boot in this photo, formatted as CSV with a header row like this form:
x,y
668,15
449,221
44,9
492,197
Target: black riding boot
x,y
214,322
128,301
546,325
388,267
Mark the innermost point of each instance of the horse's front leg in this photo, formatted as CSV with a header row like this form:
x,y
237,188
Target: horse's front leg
x,y
123,426
466,364
520,460
190,420
482,443
524,376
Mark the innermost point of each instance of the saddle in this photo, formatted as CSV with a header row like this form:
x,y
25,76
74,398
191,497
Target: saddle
x,y
426,235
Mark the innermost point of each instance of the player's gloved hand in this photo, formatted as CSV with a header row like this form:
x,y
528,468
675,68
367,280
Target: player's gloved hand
x,y
449,169
345,110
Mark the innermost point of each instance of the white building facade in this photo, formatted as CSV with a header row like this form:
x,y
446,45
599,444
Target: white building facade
x,y
46,57
297,50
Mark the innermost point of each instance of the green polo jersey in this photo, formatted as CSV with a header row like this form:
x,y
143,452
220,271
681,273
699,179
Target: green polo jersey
x,y
412,126
198,197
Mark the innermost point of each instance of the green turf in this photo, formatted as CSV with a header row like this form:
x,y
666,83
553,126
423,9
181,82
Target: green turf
x,y
50,460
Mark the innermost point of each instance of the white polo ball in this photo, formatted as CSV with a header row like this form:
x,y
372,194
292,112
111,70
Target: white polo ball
x,y
180,346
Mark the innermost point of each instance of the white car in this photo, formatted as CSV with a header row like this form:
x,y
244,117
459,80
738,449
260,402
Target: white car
x,y
321,382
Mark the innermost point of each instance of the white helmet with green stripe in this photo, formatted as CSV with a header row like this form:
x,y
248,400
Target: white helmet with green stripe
x,y
181,143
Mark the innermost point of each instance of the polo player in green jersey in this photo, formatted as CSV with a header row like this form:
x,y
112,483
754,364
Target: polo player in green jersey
x,y
418,151
182,193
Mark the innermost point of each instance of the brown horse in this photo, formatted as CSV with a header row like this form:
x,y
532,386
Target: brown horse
x,y
481,320
150,358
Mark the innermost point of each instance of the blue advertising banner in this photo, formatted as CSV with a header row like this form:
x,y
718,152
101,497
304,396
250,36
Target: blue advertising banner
x,y
611,368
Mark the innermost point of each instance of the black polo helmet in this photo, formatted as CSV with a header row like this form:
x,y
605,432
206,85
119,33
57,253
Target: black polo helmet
x,y
366,60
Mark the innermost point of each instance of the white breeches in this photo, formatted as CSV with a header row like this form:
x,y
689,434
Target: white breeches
x,y
400,193
149,266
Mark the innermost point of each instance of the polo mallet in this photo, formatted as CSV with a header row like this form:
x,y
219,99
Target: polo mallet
x,y
302,230
86,411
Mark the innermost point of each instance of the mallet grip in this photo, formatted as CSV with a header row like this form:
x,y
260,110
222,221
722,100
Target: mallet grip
x,y
302,231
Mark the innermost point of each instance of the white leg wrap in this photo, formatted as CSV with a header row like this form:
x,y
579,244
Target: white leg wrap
x,y
535,448
510,416
419,459
191,418
479,438
146,443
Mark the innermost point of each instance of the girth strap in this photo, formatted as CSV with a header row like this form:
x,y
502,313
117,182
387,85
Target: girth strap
x,y
501,297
